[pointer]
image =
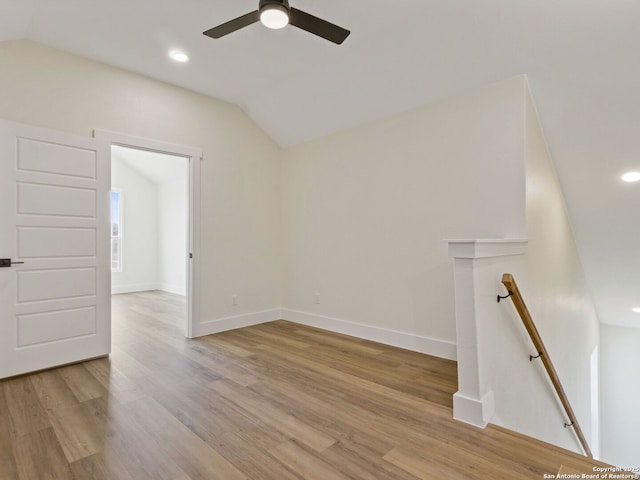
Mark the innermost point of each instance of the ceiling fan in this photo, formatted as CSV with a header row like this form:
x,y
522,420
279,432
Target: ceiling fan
x,y
277,14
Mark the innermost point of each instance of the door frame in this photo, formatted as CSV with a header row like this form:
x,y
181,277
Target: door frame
x,y
194,157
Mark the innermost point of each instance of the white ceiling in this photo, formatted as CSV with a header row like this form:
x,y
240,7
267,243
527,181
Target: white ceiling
x,y
581,58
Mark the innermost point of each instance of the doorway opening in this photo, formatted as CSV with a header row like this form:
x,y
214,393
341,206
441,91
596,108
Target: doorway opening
x,y
154,211
149,211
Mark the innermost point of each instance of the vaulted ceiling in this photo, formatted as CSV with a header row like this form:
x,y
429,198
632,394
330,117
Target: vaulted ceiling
x,y
581,58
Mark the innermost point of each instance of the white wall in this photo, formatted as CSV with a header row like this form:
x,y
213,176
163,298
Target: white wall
x,y
555,284
139,229
620,382
241,170
366,212
172,234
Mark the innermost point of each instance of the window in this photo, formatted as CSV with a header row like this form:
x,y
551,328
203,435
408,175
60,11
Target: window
x,y
116,231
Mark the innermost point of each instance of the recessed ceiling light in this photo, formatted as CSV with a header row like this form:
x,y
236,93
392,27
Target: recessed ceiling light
x,y
636,309
179,56
631,177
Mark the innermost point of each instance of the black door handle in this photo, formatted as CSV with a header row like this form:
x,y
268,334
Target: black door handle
x,y
7,262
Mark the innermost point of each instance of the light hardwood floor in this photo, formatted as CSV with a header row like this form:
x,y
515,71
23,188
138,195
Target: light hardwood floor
x,y
277,401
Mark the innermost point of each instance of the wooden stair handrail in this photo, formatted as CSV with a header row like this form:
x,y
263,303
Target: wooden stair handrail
x,y
518,302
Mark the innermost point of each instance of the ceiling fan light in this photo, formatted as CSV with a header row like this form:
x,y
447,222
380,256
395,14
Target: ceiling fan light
x,y
274,16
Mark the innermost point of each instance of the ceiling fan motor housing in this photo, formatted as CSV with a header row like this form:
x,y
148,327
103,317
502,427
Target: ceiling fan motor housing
x,y
277,3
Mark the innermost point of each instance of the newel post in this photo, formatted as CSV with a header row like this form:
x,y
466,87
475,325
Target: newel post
x,y
473,403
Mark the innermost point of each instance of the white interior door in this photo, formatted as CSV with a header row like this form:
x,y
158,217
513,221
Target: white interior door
x,y
54,207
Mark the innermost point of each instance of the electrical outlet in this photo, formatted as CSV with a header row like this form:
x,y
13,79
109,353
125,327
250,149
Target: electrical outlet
x,y
317,299
234,300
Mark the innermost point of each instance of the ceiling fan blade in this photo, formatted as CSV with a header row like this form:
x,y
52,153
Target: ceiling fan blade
x,y
233,25
317,26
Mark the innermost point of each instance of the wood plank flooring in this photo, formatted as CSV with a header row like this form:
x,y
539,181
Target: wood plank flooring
x,y
277,401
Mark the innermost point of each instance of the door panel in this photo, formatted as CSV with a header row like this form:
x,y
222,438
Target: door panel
x,y
46,157
38,199
44,284
40,242
58,325
54,207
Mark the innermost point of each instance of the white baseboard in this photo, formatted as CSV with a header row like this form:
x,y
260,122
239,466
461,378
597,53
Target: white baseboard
x,y
474,411
408,341
239,321
134,287
173,288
